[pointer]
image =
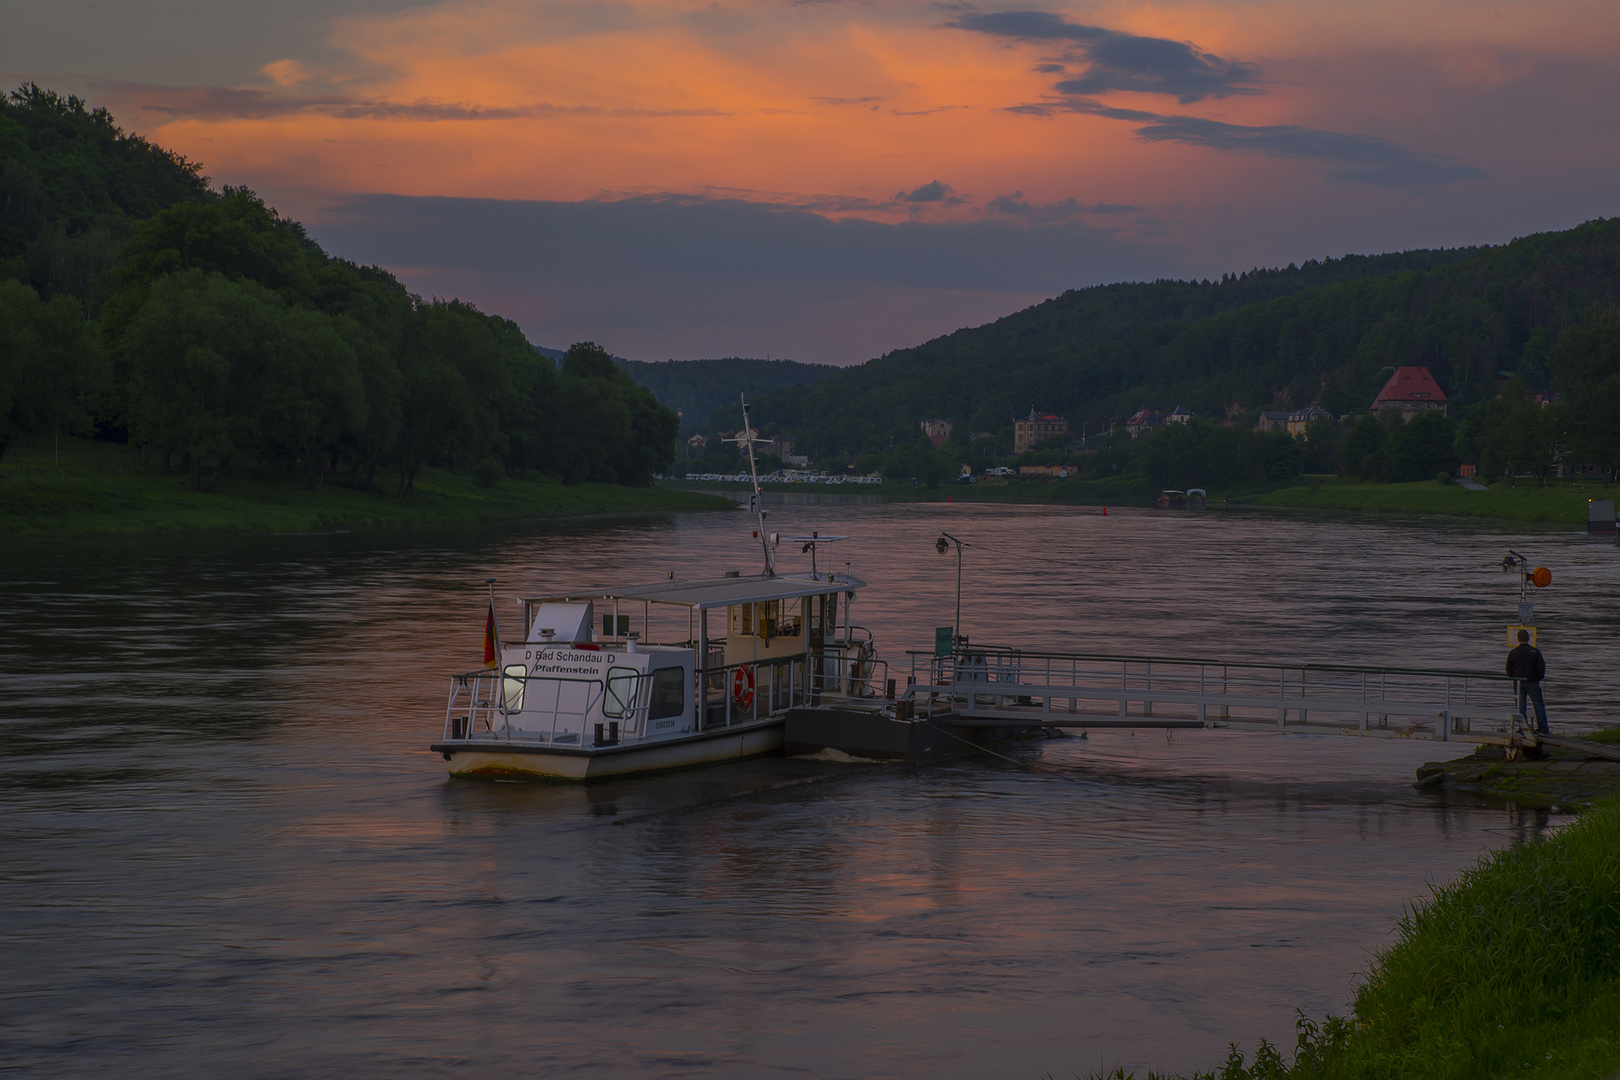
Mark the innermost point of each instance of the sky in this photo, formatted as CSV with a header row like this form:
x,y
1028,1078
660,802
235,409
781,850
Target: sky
x,y
827,180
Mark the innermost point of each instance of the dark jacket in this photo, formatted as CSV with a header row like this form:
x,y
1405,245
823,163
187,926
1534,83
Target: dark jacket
x,y
1526,663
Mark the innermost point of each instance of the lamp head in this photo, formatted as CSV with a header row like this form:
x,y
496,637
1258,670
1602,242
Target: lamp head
x,y
941,546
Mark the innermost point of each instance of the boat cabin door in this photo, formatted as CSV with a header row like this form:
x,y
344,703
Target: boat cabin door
x,y
821,620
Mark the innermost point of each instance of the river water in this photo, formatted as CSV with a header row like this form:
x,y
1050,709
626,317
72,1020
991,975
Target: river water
x,y
227,849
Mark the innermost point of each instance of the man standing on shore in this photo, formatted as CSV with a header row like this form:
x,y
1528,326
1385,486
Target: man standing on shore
x,y
1526,664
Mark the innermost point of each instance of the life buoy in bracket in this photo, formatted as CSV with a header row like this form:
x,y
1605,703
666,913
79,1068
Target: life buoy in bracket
x,y
742,686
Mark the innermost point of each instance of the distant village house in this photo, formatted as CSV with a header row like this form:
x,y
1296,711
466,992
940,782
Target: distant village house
x,y
937,431
1142,420
1412,390
1030,433
1298,421
1271,421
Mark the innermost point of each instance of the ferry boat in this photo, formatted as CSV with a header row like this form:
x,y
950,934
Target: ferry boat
x,y
671,674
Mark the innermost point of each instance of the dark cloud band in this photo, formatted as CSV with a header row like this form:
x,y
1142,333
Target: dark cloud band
x,y
1119,61
227,103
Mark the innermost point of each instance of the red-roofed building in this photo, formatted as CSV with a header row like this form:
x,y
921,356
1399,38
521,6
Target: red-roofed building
x,y
1028,434
1412,390
1143,419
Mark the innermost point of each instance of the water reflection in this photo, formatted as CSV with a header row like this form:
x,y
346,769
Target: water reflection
x,y
228,848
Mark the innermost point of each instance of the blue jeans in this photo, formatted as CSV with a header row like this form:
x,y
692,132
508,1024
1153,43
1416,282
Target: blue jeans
x,y
1532,690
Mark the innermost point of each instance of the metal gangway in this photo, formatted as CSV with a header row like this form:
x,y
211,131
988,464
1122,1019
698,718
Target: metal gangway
x,y
994,686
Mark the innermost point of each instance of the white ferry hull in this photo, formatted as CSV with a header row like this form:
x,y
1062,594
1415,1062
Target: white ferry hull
x,y
512,761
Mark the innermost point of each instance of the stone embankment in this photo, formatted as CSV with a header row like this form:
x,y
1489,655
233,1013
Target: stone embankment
x,y
1569,775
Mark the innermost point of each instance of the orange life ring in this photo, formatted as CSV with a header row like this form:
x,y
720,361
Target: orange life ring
x,y
742,686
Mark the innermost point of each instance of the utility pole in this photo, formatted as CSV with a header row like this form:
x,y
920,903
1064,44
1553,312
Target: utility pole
x,y
942,545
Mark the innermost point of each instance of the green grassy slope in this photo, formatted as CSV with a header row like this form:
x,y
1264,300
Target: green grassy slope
x,y
99,489
1511,970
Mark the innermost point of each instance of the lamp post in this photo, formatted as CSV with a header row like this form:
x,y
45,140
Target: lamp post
x,y
943,545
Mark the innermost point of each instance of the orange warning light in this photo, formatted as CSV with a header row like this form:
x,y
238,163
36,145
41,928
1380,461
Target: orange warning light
x,y
1541,577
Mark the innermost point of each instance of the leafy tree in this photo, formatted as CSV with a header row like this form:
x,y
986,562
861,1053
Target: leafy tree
x,y
1466,445
1586,369
234,234
1420,448
67,171
1595,422
612,430
1517,434
1323,438
198,349
586,430
452,378
311,391
49,364
1365,439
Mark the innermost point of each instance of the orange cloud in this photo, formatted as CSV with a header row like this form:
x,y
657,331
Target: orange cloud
x,y
569,100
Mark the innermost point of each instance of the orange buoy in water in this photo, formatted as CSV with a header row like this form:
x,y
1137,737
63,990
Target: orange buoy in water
x,y
1105,511
1541,577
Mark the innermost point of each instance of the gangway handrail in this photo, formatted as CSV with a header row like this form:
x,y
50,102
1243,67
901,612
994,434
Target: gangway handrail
x,y
1012,651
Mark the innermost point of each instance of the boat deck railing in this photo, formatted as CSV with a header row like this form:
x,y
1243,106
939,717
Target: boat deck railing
x,y
1010,686
553,709
560,710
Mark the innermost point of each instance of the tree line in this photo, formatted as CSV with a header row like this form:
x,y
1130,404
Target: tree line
x,y
1328,333
204,328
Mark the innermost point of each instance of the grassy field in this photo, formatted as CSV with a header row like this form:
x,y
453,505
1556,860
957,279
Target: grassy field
x,y
1513,969
98,488
1527,502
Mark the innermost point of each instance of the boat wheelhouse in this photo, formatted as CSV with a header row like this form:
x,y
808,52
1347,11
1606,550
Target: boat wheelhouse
x,y
660,676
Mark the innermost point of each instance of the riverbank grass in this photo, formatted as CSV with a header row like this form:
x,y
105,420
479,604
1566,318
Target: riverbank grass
x,y
1526,502
98,488
1511,970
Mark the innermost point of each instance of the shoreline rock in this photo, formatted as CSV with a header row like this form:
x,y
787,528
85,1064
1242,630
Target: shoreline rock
x,y
1560,778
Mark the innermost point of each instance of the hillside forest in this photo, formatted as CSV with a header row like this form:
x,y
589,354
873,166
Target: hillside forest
x,y
206,331
1523,338
139,304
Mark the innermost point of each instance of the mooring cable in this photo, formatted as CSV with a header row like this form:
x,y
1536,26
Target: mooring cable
x,y
1030,765
703,804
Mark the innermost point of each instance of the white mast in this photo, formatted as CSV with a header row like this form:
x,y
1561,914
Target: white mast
x,y
746,438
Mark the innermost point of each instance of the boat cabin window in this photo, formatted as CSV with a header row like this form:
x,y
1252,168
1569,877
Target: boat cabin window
x,y
512,687
766,615
668,693
620,699
609,629
742,619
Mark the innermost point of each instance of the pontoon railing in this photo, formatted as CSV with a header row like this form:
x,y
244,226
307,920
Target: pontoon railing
x,y
1001,684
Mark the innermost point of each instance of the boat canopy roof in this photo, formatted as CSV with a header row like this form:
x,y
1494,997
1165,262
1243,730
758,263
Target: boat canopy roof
x,y
720,592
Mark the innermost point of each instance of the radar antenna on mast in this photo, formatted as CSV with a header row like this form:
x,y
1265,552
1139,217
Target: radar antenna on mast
x,y
746,438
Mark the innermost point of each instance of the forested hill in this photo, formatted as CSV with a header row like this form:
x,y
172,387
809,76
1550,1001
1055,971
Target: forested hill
x,y
696,388
202,326
1326,333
